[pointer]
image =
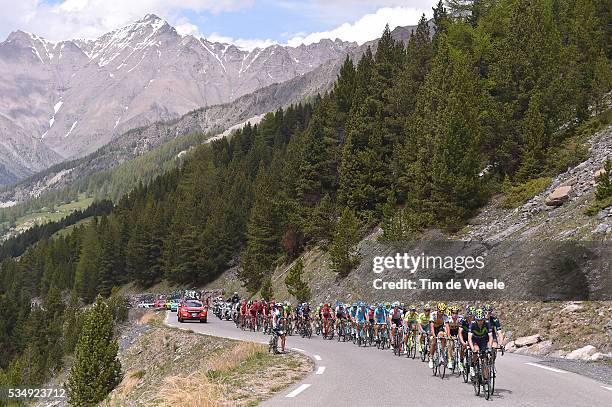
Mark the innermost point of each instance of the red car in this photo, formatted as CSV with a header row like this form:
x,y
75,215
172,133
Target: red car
x,y
192,309
160,303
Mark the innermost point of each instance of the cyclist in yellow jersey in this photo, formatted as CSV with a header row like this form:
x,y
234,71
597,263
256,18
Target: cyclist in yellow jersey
x,y
411,322
424,325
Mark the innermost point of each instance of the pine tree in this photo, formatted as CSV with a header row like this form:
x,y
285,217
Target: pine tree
x,y
86,277
342,247
267,292
96,369
296,286
604,186
263,235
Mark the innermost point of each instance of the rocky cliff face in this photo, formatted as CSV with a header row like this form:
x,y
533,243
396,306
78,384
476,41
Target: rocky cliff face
x,y
75,96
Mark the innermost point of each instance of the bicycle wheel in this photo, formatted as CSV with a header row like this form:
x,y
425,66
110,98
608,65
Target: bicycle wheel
x,y
486,382
476,379
492,375
466,366
436,361
443,362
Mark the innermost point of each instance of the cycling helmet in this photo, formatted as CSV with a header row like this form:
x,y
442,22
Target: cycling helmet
x,y
479,315
471,310
388,305
372,307
488,308
381,305
320,304
362,304
412,307
427,307
454,309
441,307
396,304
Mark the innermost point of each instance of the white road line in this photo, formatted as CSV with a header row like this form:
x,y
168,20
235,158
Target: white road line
x,y
317,357
607,388
298,349
298,390
321,369
552,369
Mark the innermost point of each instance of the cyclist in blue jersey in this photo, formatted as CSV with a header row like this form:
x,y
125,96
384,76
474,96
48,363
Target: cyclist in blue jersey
x,y
361,317
380,319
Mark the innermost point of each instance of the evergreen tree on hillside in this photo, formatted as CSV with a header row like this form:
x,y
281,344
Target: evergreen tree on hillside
x,y
263,235
296,286
96,369
345,239
86,277
604,186
267,293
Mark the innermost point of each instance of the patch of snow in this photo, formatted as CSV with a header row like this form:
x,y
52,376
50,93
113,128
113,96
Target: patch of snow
x,y
51,121
7,204
71,128
213,54
117,122
135,66
35,51
57,106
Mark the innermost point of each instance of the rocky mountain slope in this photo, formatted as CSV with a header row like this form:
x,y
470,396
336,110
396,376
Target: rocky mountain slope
x,y
212,119
74,96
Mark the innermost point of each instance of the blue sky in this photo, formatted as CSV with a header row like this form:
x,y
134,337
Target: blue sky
x,y
247,23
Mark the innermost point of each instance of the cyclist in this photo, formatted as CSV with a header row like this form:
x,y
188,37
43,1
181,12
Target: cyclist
x,y
277,316
380,319
424,325
464,327
452,331
437,323
326,313
395,320
480,336
243,312
352,315
411,325
498,334
360,319
253,313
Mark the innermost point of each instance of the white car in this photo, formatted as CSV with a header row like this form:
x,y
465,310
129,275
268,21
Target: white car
x,y
145,305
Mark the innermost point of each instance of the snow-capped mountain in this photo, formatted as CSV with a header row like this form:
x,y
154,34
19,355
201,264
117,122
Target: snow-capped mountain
x,y
72,97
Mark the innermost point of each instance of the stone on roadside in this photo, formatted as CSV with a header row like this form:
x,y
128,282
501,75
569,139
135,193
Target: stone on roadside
x,y
597,356
559,196
598,174
583,353
527,340
540,348
572,308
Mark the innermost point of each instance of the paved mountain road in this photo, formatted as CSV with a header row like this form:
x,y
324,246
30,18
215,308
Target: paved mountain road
x,y
346,375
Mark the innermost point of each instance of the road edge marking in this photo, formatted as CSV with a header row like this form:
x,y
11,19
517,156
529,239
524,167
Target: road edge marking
x,y
297,391
552,369
317,357
607,388
299,350
321,369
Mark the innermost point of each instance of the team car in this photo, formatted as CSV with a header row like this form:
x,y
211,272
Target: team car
x,y
192,310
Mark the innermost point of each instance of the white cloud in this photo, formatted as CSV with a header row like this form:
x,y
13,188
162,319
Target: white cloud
x,y
91,18
368,27
247,44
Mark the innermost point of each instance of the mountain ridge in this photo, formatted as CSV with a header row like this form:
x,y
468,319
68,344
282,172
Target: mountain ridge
x,y
76,95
